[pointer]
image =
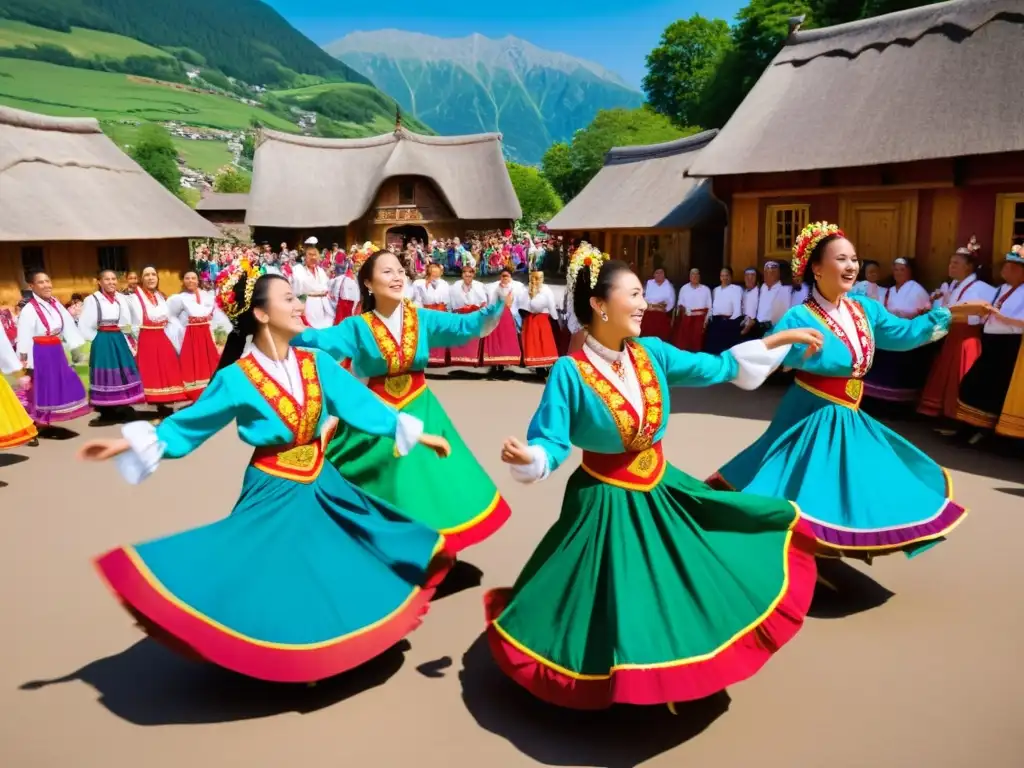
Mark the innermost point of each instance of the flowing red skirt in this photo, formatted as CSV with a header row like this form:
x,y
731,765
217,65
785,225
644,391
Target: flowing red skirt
x,y
438,355
501,347
961,347
689,332
657,324
539,348
199,358
159,367
346,308
466,355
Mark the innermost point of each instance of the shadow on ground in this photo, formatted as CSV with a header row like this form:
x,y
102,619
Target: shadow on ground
x,y
57,433
10,459
620,737
460,578
851,591
149,685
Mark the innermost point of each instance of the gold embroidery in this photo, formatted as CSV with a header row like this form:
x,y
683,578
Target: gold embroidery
x,y
398,386
854,388
645,463
858,368
302,421
302,457
398,359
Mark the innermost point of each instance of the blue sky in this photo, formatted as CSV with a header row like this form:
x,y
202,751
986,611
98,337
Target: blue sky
x,y
617,35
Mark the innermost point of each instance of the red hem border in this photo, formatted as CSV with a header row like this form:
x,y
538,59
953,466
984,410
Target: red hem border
x,y
483,529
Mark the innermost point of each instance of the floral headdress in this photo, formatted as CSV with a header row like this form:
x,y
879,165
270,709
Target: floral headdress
x,y
227,282
970,249
585,256
1016,255
807,241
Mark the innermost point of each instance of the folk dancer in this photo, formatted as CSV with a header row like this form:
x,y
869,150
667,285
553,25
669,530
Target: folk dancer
x,y
196,312
751,294
465,297
309,280
539,312
805,453
985,388
389,344
962,346
693,305
431,292
55,394
501,347
114,380
726,317
156,332
899,376
16,428
661,301
650,588
308,576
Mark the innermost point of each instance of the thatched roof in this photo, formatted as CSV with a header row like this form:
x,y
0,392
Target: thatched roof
x,y
224,201
309,182
62,179
939,81
644,187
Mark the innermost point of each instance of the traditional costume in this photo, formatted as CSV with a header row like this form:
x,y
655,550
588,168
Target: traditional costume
x,y
539,314
869,289
772,303
657,322
393,352
751,297
502,346
650,588
196,312
819,443
344,290
433,294
114,379
56,394
465,299
899,376
16,428
694,303
726,319
156,357
314,284
958,352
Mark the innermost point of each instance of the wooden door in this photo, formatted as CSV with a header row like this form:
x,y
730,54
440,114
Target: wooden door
x,y
875,232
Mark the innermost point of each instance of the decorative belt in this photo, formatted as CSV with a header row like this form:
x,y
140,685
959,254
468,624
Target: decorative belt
x,y
398,389
696,312
467,309
109,328
316,295
634,470
436,307
299,463
836,389
47,341
154,326
199,320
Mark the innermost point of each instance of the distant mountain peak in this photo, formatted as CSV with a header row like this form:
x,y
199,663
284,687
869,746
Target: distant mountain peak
x,y
509,52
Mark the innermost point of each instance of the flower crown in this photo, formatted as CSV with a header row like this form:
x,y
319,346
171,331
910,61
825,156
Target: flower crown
x,y
970,249
227,281
585,256
807,241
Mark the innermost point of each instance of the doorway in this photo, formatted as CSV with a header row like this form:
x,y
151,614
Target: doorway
x,y
400,236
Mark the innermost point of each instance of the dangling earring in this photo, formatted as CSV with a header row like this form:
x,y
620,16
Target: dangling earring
x,y
604,316
369,291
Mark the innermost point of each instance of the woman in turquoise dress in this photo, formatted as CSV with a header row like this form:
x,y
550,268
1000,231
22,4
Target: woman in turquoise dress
x,y
650,588
389,344
308,576
820,443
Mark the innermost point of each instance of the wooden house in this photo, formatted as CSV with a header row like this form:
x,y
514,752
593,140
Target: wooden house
x,y
227,212
905,129
642,208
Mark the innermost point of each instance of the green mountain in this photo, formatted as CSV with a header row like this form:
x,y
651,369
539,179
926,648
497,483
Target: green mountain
x,y
474,84
244,39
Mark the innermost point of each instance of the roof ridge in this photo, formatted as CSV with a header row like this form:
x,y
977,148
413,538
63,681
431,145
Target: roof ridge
x,y
669,148
394,137
20,118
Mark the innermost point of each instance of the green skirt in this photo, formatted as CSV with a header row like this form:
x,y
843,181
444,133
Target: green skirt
x,y
453,496
650,597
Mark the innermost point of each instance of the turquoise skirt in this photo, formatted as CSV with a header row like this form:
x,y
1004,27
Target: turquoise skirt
x,y
113,376
302,581
864,489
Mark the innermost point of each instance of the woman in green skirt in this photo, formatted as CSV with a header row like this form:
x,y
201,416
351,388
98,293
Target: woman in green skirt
x,y
651,588
389,344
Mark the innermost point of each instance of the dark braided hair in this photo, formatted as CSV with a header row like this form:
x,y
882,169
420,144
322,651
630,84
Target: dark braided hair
x,y
245,324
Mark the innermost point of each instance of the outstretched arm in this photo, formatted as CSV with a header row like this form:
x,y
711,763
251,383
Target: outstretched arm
x,y
447,329
547,438
338,341
900,334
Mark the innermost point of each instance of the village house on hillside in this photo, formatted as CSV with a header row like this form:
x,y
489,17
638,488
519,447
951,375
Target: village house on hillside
x,y
227,212
71,203
383,189
642,208
906,129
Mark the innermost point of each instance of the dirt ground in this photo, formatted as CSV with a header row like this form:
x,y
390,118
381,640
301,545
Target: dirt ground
x,y
916,663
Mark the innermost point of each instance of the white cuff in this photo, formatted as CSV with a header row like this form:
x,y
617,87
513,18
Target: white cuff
x,y
938,333
533,472
756,362
144,452
408,433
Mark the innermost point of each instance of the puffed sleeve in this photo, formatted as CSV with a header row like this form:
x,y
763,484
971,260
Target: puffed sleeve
x,y
72,338
447,329
339,341
88,321
9,360
898,334
548,434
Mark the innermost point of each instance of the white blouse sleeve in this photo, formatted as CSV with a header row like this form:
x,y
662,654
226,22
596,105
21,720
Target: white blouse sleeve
x,y
756,362
88,321
72,338
533,472
9,360
144,452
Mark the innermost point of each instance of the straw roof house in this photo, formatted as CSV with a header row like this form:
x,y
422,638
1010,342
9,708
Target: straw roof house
x,y
641,205
906,128
71,201
227,211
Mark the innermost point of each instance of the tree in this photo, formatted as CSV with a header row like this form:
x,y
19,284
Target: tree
x,y
155,152
537,197
680,68
229,180
557,168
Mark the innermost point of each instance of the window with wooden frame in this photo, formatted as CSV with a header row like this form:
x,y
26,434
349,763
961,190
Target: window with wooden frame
x,y
32,260
782,224
113,257
406,193
1009,222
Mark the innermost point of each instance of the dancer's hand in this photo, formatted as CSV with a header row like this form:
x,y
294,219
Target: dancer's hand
x,y
811,337
508,299
101,450
437,444
515,452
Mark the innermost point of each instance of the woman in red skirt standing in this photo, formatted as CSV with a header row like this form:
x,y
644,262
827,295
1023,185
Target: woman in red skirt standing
x,y
467,296
694,303
196,311
660,296
501,347
539,312
432,293
158,363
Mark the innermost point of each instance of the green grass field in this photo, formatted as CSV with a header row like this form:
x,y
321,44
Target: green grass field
x,y
380,124
67,91
206,156
83,43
